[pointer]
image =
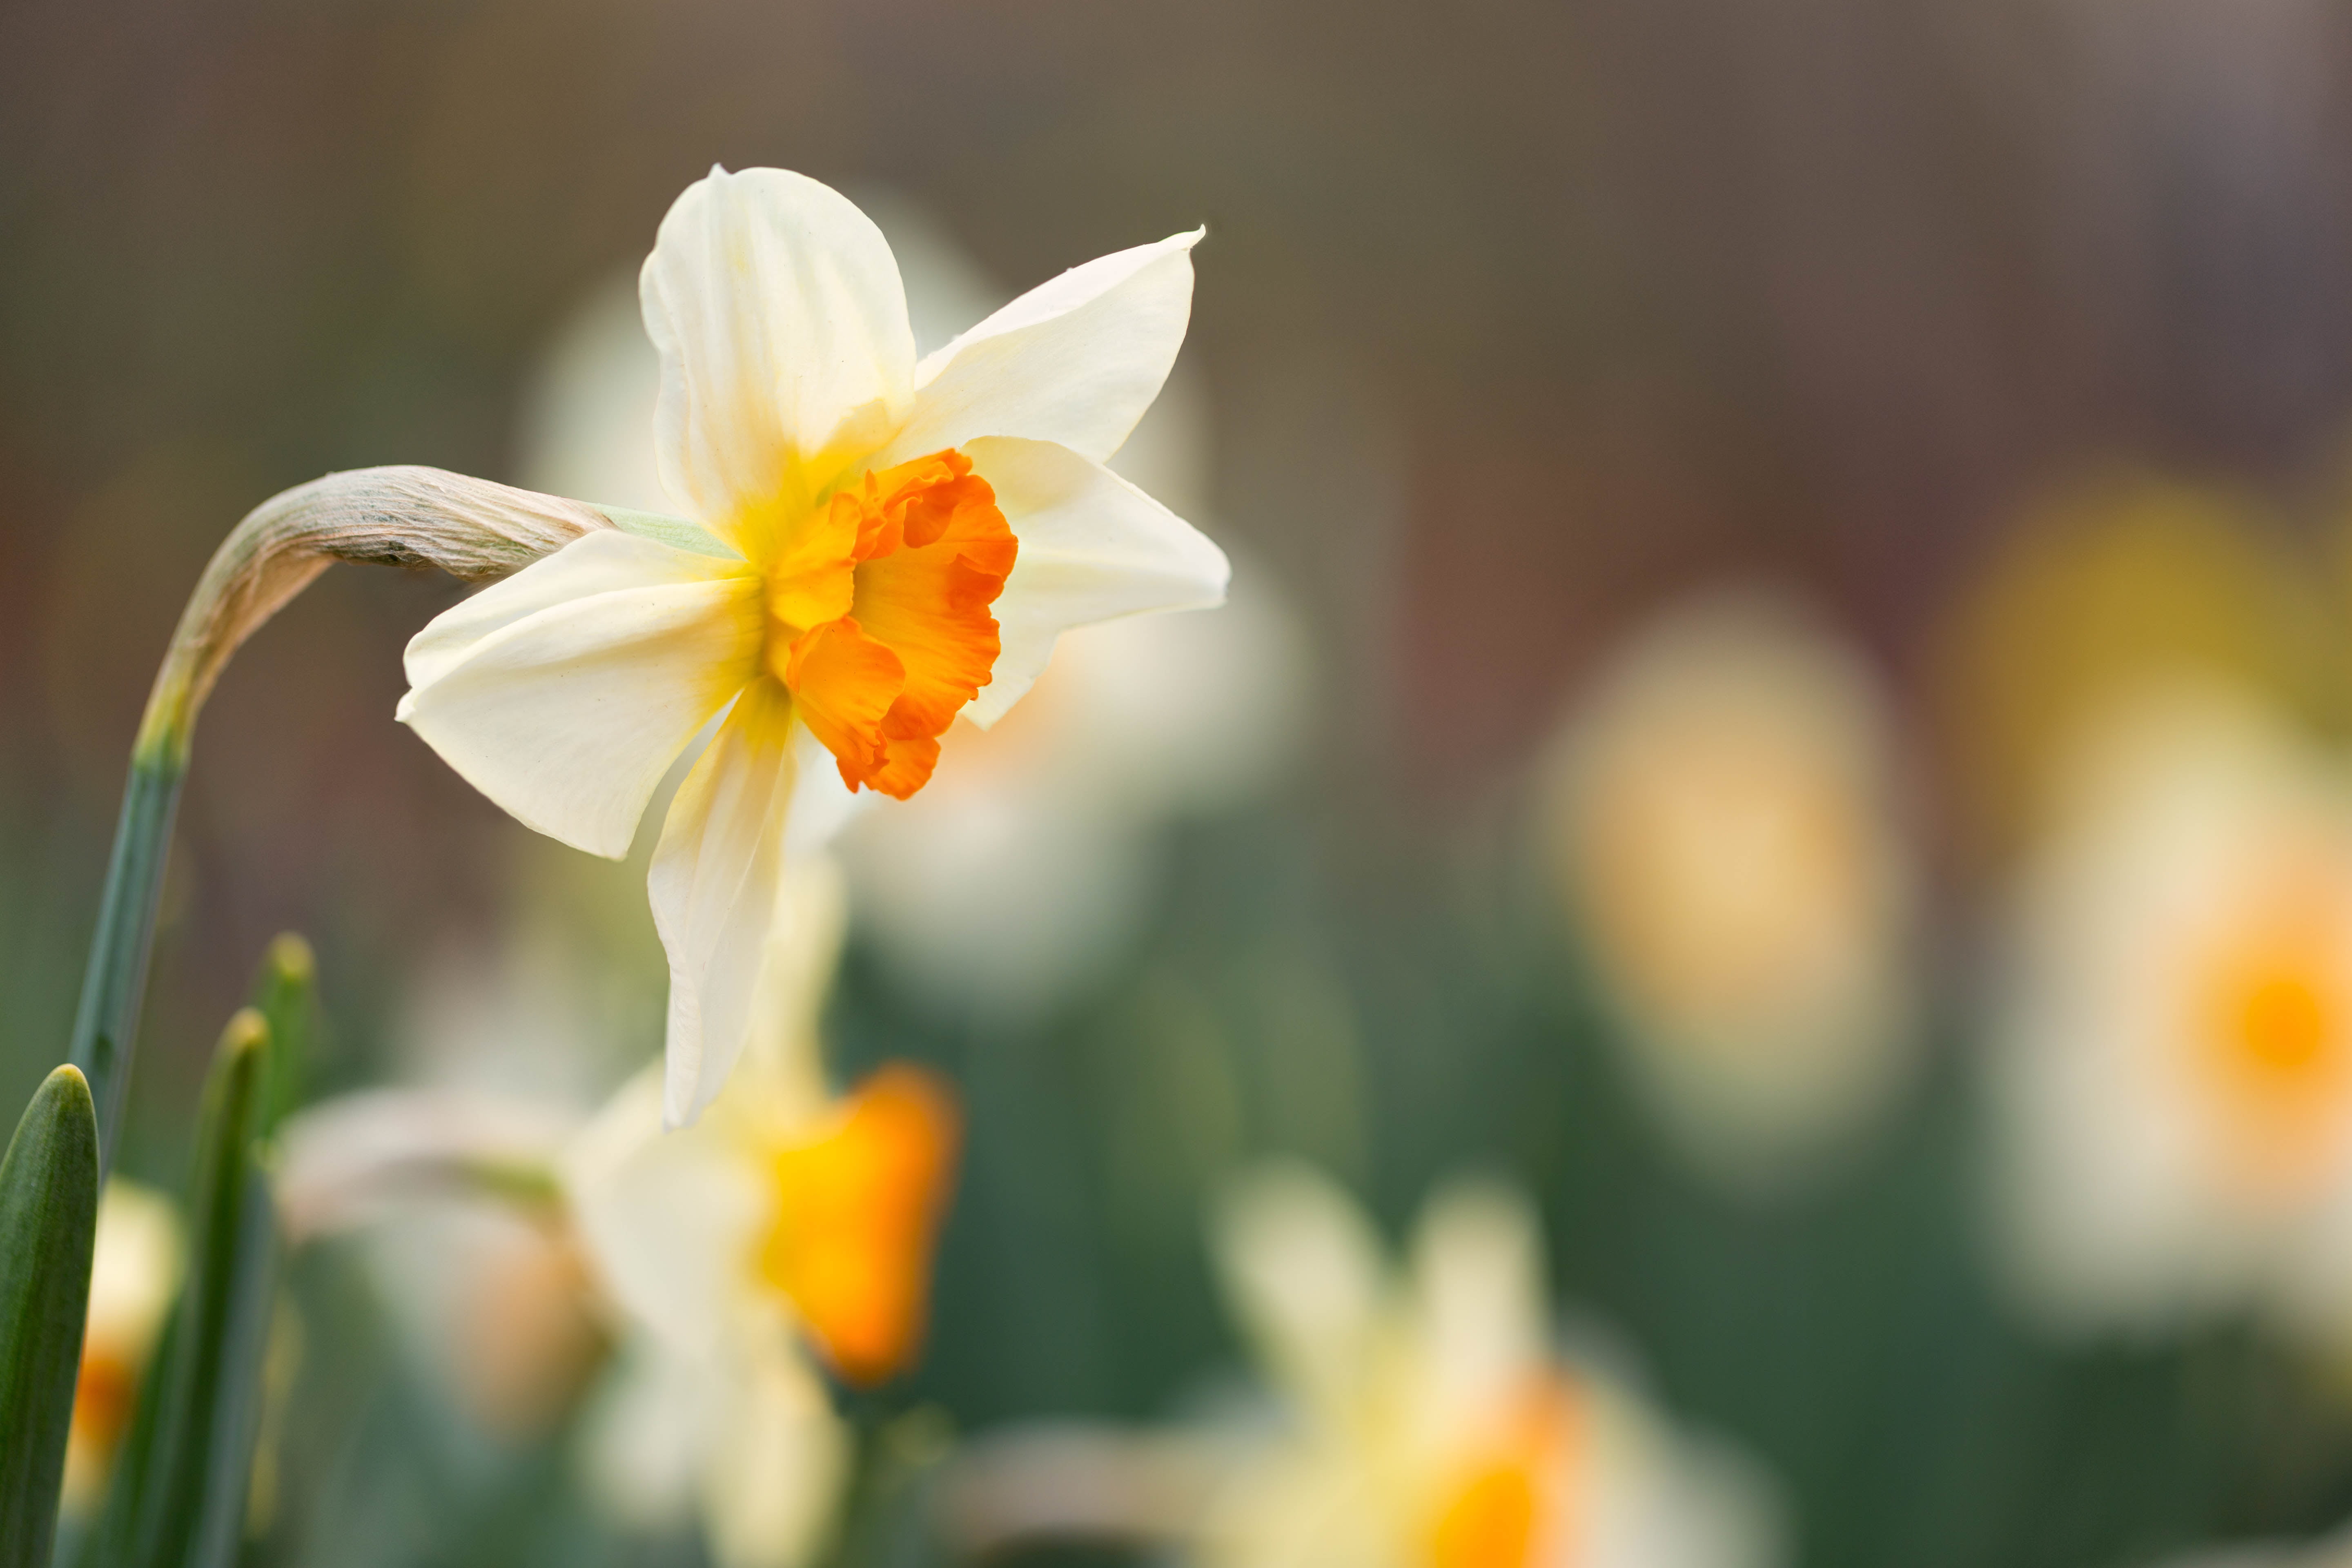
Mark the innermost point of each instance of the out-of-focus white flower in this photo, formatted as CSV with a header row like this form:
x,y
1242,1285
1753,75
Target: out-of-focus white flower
x,y
788,1229
872,547
1428,1422
748,1440
2175,1061
1723,815
134,1278
788,1225
2331,1551
1028,860
464,1235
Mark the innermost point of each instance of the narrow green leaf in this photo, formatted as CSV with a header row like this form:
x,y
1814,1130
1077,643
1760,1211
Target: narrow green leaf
x,y
108,1540
235,1425
179,1493
49,1221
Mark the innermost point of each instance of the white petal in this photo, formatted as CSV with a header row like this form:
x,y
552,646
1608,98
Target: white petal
x,y
1092,548
774,1486
777,311
668,1218
566,691
1304,1272
644,1439
1076,360
715,879
1478,1275
781,1079
134,1270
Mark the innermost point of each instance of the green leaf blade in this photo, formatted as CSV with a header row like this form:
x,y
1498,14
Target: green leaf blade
x,y
48,1223
179,1501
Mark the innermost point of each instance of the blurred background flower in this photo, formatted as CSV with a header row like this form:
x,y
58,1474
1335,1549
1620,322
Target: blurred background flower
x,y
134,1278
1725,815
1427,1420
2174,1060
2110,582
2322,1554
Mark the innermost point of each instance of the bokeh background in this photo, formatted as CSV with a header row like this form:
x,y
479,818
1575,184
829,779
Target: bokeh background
x,y
2008,341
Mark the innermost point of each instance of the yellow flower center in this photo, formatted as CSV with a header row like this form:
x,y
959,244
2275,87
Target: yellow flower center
x,y
1731,872
1489,1522
856,1207
1499,1503
2275,1049
878,618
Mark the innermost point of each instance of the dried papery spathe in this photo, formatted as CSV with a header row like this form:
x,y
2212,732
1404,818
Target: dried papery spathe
x,y
400,516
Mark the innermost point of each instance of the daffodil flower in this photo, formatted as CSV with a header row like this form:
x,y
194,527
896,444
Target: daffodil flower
x,y
1722,812
1430,1423
2173,1062
790,1228
871,545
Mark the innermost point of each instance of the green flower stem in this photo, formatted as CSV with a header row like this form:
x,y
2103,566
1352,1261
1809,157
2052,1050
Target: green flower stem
x,y
116,977
390,517
286,994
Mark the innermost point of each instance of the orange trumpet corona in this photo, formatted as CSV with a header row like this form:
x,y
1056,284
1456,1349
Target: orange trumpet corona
x,y
878,619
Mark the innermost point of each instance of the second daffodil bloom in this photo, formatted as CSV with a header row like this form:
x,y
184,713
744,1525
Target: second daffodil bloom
x,y
789,1227
871,545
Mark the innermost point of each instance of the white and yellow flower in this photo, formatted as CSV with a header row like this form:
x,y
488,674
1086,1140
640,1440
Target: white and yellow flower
x,y
2174,1069
788,1229
1028,862
1724,819
1428,1421
873,545
728,1267
134,1278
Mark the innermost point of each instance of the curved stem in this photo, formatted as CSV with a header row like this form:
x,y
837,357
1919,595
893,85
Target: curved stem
x,y
392,516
